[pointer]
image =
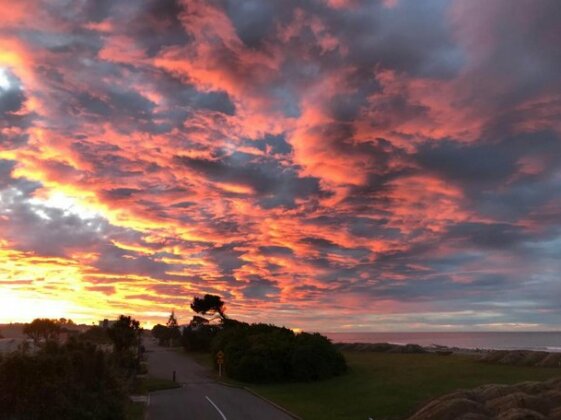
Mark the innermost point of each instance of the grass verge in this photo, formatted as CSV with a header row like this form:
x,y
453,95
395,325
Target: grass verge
x,y
390,386
143,386
135,411
155,384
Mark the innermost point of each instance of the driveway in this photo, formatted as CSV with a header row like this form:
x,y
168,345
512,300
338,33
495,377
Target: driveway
x,y
200,397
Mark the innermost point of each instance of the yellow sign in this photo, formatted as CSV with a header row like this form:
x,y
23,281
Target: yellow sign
x,y
220,357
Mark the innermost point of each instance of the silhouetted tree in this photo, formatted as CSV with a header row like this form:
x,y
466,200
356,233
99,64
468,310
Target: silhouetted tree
x,y
125,333
160,333
71,381
96,335
169,334
172,321
209,304
43,329
66,322
198,321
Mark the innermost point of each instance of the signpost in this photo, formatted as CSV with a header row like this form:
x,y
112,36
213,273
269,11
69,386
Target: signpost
x,y
220,362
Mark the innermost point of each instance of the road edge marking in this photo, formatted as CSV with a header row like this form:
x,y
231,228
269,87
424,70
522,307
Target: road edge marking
x,y
215,406
274,404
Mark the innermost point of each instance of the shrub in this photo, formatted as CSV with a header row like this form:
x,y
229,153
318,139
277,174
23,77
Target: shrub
x,y
74,381
95,335
314,357
266,353
199,338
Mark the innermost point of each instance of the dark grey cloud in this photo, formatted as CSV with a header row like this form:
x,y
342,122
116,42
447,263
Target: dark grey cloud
x,y
487,235
227,257
260,288
276,250
493,175
274,185
14,119
113,259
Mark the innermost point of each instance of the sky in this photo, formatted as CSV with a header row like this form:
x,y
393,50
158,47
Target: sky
x,y
332,165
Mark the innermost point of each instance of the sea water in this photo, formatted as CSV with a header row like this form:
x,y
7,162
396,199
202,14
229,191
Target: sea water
x,y
544,341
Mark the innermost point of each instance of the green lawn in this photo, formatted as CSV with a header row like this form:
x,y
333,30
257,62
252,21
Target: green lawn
x,y
156,384
381,385
143,386
135,411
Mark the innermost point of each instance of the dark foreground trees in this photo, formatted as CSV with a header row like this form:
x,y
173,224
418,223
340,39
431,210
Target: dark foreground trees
x,y
209,304
43,330
260,352
71,381
198,335
169,334
257,352
267,353
80,379
125,333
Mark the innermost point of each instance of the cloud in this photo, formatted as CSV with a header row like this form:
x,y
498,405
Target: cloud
x,y
372,161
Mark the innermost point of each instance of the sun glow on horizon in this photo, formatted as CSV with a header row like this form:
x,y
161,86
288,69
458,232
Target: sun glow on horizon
x,y
16,307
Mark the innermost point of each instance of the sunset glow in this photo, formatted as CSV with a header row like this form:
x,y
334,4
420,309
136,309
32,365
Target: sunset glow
x,y
328,165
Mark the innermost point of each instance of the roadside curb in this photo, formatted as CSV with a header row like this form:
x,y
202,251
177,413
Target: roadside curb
x,y
147,406
261,397
287,412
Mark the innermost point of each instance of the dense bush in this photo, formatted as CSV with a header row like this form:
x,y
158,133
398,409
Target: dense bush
x,y
165,335
71,381
199,338
95,335
266,353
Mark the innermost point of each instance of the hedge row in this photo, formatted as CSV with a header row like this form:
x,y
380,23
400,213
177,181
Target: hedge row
x,y
267,353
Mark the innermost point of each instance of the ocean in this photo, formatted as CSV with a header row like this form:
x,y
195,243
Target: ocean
x,y
544,341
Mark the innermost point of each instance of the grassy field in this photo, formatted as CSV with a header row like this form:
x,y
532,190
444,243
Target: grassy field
x,y
390,386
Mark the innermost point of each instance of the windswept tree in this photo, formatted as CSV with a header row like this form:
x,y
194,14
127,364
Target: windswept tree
x,y
198,321
198,335
209,304
43,329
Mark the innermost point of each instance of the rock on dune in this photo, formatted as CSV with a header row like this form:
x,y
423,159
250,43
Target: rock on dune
x,y
520,414
523,401
517,400
513,357
450,409
522,358
534,357
493,356
555,414
381,347
474,416
492,391
551,360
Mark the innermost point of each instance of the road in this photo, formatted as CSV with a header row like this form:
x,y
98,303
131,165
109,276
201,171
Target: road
x,y
200,397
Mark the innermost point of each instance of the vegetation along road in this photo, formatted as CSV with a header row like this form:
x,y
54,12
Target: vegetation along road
x,y
200,397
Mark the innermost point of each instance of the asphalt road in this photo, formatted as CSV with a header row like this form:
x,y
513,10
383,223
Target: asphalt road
x,y
200,397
